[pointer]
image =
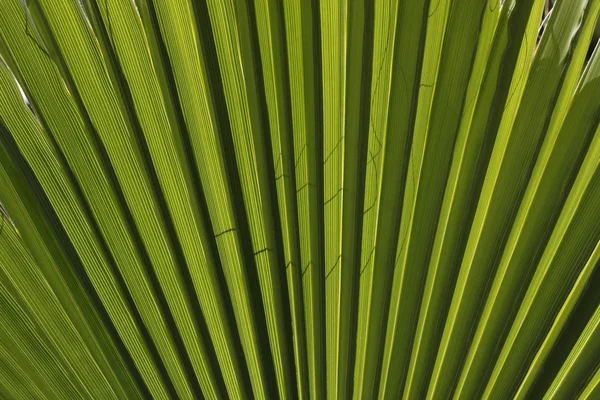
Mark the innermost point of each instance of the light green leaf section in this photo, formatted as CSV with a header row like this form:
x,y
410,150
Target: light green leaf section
x,y
15,382
32,352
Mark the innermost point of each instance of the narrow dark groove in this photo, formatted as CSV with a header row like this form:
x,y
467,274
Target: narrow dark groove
x,y
299,158
319,152
333,197
333,150
337,261
306,268
306,185
281,177
33,39
218,235
78,273
279,156
437,6
261,251
318,264
364,267
354,242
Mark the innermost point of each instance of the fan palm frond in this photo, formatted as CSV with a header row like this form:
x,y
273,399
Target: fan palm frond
x,y
299,199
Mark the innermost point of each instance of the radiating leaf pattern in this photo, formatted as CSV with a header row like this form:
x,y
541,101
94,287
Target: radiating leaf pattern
x,y
299,199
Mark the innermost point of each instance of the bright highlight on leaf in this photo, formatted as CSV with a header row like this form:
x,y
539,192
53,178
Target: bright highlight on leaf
x,y
313,199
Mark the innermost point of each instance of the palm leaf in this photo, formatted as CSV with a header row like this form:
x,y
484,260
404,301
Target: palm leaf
x,y
299,199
